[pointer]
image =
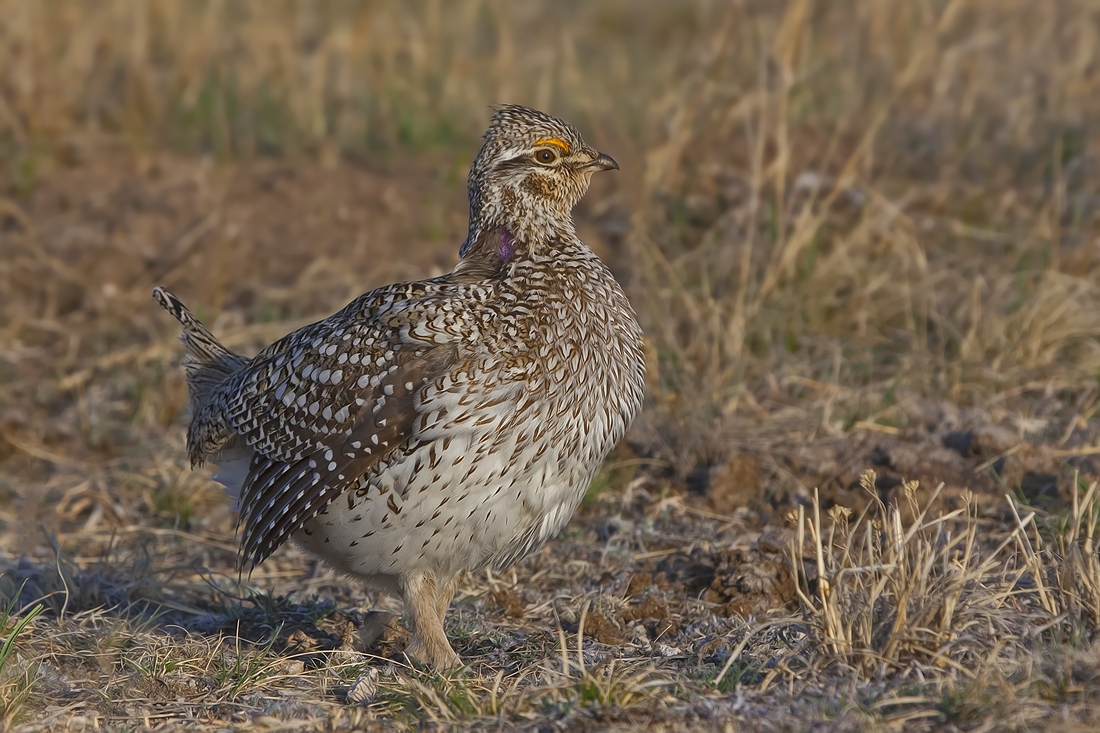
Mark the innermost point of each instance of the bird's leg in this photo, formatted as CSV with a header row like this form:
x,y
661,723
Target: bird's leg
x,y
445,595
429,642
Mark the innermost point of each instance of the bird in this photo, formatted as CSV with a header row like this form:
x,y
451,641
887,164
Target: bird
x,y
446,426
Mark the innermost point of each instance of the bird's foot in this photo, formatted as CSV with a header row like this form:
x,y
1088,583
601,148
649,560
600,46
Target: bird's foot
x,y
434,653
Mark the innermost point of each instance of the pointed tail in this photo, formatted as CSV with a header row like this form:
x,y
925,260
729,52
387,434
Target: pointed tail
x,y
208,363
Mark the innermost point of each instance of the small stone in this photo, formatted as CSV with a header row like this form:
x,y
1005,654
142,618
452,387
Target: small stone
x,y
1036,485
959,441
373,629
364,689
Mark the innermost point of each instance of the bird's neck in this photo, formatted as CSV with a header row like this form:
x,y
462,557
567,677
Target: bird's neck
x,y
511,231
494,249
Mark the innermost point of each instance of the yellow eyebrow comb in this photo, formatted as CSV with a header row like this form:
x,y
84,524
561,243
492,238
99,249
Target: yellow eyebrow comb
x,y
554,141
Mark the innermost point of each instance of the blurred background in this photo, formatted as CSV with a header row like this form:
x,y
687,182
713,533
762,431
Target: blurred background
x,y
829,214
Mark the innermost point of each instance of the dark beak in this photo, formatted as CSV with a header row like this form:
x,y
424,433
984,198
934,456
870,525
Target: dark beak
x,y
603,162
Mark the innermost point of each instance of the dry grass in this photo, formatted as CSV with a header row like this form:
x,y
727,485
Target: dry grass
x,y
858,233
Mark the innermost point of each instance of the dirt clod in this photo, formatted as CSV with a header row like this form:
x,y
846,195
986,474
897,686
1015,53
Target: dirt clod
x,y
749,582
509,602
735,484
638,584
603,629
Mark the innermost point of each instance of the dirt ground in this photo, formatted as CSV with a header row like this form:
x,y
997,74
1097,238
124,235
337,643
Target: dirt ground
x,y
674,600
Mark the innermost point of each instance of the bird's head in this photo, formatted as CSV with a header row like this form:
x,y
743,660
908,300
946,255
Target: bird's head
x,y
531,171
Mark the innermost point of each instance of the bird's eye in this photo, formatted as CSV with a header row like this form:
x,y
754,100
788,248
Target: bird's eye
x,y
546,156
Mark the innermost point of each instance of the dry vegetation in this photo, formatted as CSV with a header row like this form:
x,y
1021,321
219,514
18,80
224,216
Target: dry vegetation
x,y
859,234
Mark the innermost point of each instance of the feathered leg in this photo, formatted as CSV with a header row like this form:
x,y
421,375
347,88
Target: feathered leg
x,y
422,603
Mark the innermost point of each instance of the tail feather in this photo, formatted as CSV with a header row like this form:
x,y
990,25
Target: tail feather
x,y
207,363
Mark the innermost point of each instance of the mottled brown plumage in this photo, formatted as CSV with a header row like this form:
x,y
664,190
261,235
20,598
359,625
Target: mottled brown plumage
x,y
441,426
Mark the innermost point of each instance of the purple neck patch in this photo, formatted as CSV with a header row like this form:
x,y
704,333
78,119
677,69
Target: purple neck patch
x,y
507,245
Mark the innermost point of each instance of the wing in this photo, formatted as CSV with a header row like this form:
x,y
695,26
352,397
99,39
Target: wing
x,y
330,403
